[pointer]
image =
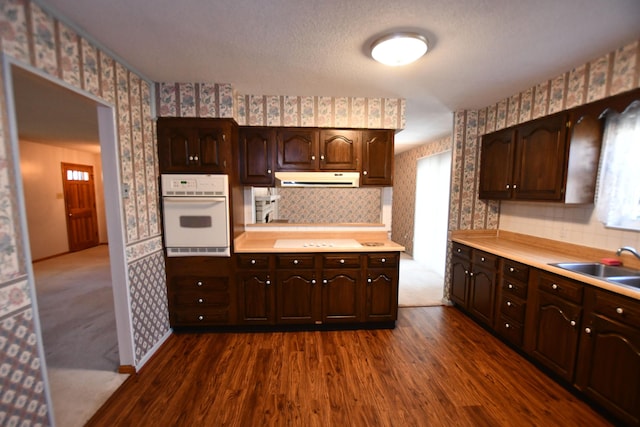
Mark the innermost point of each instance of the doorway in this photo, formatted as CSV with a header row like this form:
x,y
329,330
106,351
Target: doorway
x,y
432,211
56,117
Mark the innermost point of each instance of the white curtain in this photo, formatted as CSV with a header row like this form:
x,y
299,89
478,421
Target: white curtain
x,y
618,201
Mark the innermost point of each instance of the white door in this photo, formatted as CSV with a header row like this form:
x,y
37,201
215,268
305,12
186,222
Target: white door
x,y
432,211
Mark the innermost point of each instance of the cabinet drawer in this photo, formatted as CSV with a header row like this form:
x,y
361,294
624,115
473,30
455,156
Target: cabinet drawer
x,y
618,308
253,261
515,270
484,259
513,308
461,250
382,260
194,316
564,288
184,299
200,283
510,330
337,261
513,287
296,261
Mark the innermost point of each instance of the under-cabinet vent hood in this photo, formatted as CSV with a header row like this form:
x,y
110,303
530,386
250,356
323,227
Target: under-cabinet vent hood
x,y
318,179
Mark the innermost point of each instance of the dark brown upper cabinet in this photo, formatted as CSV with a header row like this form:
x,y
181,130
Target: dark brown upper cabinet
x,y
377,157
257,156
190,145
339,150
297,149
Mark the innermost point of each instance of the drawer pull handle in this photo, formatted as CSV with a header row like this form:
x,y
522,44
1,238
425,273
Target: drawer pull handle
x,y
458,250
587,330
466,272
383,260
341,261
200,300
619,310
510,286
482,259
572,323
253,261
511,269
554,287
506,325
199,283
201,317
295,261
509,303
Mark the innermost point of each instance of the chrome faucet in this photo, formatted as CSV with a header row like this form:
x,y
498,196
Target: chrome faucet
x,y
628,249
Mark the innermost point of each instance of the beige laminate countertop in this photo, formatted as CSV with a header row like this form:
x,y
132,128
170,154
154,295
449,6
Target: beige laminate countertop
x,y
264,241
539,253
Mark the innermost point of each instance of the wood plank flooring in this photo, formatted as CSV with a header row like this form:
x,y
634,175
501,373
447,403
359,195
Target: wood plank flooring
x,y
436,368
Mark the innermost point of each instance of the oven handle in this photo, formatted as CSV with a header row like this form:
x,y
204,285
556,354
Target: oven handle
x,y
194,199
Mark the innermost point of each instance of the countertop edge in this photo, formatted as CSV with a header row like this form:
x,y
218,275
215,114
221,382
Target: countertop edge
x,y
263,242
507,246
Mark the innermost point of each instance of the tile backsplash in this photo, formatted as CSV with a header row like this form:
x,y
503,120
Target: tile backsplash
x,y
577,224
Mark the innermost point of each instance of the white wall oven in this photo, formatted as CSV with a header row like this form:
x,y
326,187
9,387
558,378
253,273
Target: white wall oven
x,y
196,215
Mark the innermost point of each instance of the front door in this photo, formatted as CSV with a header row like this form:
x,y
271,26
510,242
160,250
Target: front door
x,y
80,206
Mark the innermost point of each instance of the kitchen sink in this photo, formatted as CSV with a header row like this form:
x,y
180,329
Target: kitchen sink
x,y
632,281
596,269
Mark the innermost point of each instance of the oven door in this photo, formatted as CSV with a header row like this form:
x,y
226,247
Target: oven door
x,y
196,226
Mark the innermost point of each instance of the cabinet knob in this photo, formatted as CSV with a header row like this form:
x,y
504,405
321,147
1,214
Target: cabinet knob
x,y
506,325
364,172
619,310
471,273
458,250
511,269
195,158
587,330
482,259
369,280
466,272
313,281
383,260
268,282
200,300
322,157
510,286
313,157
554,287
341,261
253,261
325,281
295,261
269,171
509,303
572,323
199,283
191,158
508,186
515,186
201,317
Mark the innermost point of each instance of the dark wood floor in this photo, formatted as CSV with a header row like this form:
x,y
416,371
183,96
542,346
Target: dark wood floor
x,y
436,368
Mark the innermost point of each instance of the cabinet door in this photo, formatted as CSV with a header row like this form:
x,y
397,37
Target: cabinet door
x,y
540,159
377,157
381,296
297,296
173,148
257,156
209,149
459,280
339,149
482,291
297,149
496,165
256,298
556,334
341,296
609,366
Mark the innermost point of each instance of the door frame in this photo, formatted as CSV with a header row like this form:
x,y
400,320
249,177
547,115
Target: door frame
x,y
113,207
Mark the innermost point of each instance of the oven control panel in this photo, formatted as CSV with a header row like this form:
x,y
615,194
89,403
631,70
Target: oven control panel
x,y
194,185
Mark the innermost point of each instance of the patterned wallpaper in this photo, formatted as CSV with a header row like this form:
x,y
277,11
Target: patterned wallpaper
x,y
330,205
32,36
217,100
404,190
610,74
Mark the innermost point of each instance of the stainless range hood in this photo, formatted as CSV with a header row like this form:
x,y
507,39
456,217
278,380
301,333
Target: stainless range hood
x,y
318,179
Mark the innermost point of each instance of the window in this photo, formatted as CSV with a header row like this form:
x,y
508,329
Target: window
x,y
74,175
618,201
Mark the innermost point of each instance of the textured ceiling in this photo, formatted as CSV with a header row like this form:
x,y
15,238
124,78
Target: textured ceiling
x,y
481,51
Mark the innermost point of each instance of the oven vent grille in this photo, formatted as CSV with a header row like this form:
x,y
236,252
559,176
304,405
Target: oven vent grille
x,y
194,251
194,193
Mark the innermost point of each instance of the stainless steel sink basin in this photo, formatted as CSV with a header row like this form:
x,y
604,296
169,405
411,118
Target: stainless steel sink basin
x,y
632,281
596,269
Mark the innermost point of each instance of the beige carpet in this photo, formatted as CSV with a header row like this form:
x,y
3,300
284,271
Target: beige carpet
x,y
418,286
75,305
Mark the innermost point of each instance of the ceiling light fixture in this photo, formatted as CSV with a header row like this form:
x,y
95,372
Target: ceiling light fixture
x,y
399,48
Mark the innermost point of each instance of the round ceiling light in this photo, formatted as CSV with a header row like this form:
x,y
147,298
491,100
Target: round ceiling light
x,y
399,48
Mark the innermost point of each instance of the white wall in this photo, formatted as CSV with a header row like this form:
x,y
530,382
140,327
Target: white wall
x,y
42,178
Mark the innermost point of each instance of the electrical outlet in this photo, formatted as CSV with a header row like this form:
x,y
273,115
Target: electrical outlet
x,y
125,190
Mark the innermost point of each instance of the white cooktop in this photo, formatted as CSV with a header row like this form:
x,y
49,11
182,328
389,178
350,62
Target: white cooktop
x,y
316,243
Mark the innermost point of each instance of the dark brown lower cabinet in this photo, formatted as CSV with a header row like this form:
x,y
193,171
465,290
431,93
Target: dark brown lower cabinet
x,y
297,297
381,304
341,296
